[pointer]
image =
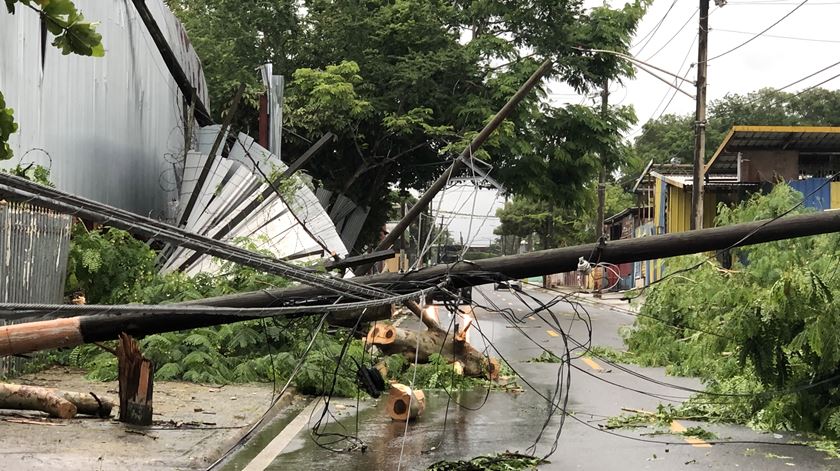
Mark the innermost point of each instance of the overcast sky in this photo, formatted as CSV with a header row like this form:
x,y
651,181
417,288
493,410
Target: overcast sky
x,y
802,43
468,213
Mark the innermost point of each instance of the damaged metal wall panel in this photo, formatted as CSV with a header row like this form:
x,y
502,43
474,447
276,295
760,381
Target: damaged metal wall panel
x,y
225,201
34,245
212,187
351,226
323,196
234,196
347,216
109,128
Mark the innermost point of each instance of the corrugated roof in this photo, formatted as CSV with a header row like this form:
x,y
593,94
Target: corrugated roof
x,y
800,138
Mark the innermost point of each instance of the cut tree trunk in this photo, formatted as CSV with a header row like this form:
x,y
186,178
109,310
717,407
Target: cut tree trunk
x,y
397,341
136,378
405,403
16,396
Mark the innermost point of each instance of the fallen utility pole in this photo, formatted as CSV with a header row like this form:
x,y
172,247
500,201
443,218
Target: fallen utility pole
x,y
29,337
565,259
175,69
427,197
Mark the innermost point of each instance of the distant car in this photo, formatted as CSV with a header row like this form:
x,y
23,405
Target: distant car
x,y
509,284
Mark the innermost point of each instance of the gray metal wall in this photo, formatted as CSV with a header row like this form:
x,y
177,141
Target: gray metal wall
x,y
105,126
34,245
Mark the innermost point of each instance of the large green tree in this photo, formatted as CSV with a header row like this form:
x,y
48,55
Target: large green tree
x,y
671,137
405,84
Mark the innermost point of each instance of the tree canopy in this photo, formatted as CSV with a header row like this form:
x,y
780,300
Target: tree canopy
x,y
405,84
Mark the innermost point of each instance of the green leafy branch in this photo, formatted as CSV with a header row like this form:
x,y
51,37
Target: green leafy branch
x,y
7,127
73,35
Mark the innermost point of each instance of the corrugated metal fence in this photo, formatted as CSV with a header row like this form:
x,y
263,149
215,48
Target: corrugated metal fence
x,y
34,245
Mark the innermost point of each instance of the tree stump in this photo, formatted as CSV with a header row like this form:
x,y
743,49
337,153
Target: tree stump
x,y
405,403
136,378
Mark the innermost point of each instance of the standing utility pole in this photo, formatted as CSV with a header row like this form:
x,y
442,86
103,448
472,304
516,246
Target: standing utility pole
x,y
403,265
602,175
700,120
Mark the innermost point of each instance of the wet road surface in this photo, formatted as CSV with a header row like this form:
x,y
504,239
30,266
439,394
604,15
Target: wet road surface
x,y
499,421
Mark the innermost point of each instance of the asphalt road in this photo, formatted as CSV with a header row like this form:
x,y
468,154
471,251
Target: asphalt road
x,y
498,421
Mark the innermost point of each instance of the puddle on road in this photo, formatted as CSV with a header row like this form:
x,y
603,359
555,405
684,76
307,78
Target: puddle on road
x,y
502,421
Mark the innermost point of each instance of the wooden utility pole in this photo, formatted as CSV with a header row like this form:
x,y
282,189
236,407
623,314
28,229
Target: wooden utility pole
x,y
34,336
602,173
700,120
403,265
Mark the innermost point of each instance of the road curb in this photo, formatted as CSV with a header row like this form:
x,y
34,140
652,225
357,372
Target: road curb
x,y
232,441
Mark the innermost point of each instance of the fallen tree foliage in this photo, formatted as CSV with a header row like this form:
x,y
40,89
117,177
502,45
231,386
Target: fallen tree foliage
x,y
763,334
507,461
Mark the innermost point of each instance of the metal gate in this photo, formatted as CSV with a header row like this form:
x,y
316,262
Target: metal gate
x,y
34,244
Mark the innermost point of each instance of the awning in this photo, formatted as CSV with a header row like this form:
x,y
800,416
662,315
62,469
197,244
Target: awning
x,y
805,139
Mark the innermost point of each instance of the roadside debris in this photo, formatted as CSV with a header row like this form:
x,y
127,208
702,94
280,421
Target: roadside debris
x,y
404,403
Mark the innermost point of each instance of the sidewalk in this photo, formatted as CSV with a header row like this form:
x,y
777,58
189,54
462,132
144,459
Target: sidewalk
x,y
616,299
193,425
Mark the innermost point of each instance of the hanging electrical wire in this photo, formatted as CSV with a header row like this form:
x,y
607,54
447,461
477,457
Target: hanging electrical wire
x,y
758,35
653,32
